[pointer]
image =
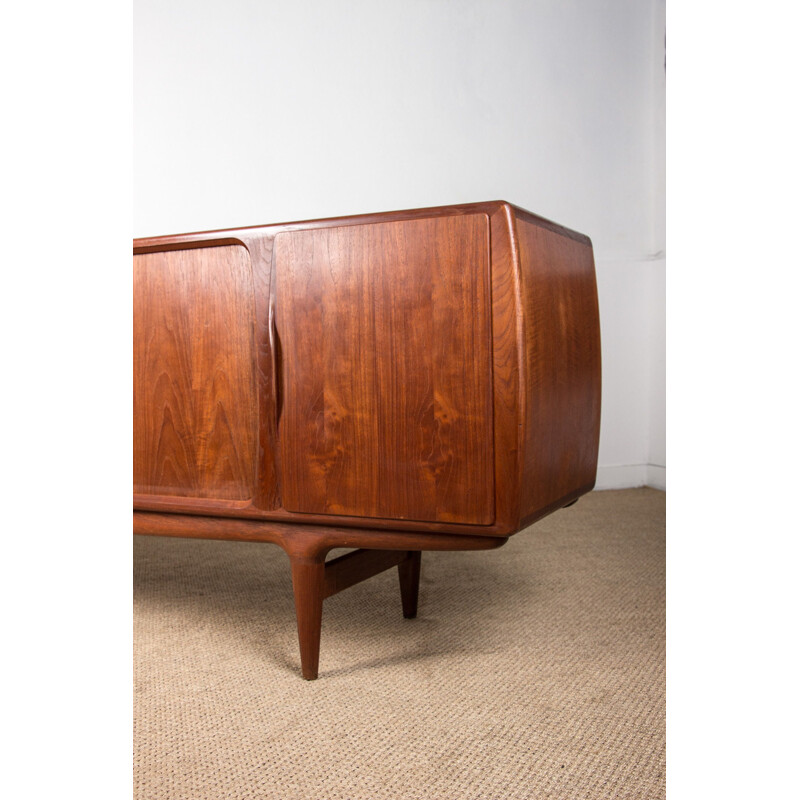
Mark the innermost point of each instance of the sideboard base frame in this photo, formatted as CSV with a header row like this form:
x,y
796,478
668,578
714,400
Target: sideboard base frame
x,y
314,579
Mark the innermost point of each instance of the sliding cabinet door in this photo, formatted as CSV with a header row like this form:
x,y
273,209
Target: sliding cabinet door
x,y
195,402
385,361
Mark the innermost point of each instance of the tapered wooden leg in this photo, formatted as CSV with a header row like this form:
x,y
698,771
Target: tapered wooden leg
x,y
308,579
408,572
314,580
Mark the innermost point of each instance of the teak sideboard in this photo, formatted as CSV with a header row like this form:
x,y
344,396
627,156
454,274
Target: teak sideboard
x,y
395,382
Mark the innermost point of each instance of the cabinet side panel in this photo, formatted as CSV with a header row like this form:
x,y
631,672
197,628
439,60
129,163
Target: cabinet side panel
x,y
384,332
195,406
562,368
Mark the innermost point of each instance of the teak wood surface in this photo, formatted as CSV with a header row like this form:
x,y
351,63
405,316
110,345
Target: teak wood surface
x,y
195,426
386,378
400,381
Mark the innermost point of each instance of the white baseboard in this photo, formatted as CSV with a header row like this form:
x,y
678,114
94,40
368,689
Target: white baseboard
x,y
657,477
631,476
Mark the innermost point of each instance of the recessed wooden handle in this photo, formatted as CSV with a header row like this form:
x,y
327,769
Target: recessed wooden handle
x,y
275,355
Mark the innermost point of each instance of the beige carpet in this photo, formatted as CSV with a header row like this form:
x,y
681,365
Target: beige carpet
x,y
533,671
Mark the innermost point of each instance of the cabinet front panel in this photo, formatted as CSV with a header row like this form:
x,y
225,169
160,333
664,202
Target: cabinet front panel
x,y
386,370
195,408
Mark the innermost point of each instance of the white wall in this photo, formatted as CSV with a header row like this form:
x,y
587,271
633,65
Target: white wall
x,y
632,292
248,111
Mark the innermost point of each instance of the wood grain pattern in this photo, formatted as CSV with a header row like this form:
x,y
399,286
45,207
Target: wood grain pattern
x,y
514,444
385,344
561,341
195,406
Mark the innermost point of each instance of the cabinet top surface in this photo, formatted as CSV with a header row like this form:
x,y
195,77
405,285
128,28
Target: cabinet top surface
x,y
486,207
